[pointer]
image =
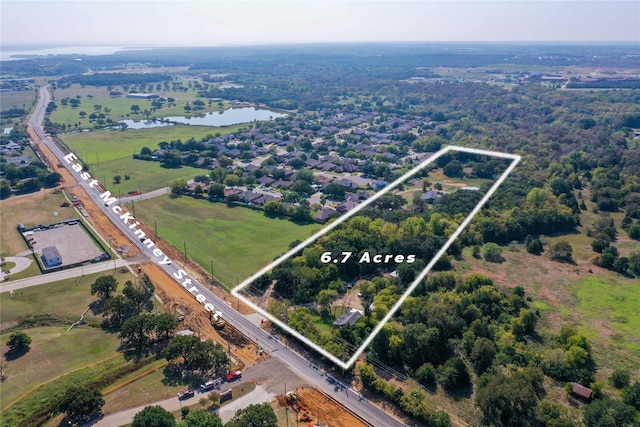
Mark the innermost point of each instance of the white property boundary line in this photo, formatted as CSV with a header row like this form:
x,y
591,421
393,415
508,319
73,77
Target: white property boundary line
x,y
346,365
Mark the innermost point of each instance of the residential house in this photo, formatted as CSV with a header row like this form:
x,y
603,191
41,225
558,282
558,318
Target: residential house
x,y
346,206
325,214
249,196
266,180
348,318
429,196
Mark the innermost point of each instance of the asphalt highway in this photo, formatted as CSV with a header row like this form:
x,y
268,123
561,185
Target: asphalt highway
x,y
301,366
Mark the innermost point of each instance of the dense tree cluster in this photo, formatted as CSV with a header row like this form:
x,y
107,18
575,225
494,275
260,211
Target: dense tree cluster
x,y
113,79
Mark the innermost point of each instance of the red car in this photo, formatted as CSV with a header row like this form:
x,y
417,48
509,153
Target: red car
x,y
186,394
234,375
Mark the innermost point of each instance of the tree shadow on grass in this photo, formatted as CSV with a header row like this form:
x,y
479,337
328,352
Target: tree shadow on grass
x,y
174,374
460,393
15,354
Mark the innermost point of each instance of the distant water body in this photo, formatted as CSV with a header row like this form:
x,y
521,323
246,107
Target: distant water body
x,y
14,53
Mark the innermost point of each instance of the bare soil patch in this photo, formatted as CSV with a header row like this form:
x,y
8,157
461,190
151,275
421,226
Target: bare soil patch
x,y
312,403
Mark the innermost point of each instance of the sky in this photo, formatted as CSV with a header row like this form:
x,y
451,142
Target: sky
x,y
213,22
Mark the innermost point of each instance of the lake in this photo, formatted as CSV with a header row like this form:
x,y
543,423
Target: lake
x,y
231,116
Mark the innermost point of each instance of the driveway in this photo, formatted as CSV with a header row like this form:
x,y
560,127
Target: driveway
x,y
227,411
22,263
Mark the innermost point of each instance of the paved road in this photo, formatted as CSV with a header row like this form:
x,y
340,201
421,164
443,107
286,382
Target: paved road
x,y
297,363
147,195
14,285
259,395
21,263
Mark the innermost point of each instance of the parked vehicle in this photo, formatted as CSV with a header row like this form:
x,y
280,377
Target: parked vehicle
x,y
209,385
234,375
186,394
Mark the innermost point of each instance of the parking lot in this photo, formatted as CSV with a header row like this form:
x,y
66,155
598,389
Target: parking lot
x,y
72,241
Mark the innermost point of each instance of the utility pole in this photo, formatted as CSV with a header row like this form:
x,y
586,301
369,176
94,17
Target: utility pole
x,y
185,250
211,259
286,408
155,226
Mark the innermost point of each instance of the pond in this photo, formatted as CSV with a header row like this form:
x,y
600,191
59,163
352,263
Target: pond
x,y
231,116
144,124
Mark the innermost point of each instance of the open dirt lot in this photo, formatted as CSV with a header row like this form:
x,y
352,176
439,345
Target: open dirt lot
x,y
312,403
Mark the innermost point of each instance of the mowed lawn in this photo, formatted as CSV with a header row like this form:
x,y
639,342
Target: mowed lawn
x,y
119,108
17,99
65,298
239,240
102,145
31,209
53,351
110,153
616,302
144,176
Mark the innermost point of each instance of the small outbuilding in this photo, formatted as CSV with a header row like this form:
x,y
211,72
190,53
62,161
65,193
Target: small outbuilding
x,y
581,391
51,257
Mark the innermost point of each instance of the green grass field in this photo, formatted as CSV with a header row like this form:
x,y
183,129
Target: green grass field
x,y
17,99
110,153
54,351
120,107
103,145
616,303
145,176
66,298
31,209
239,240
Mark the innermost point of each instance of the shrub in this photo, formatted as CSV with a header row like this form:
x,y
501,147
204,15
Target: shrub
x,y
561,251
426,375
454,374
534,247
619,379
492,252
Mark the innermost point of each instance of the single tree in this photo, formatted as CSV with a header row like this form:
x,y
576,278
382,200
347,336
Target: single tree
x,y
153,416
19,341
561,251
619,378
510,400
254,415
609,413
492,252
104,286
454,374
79,402
165,323
138,331
117,179
178,186
631,395
201,418
196,355
117,309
